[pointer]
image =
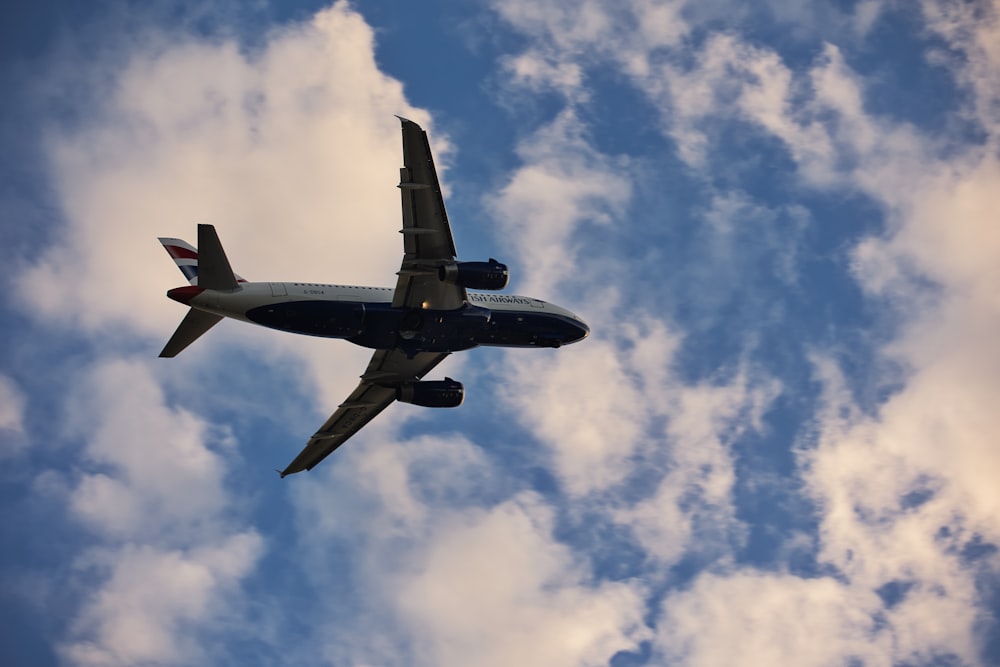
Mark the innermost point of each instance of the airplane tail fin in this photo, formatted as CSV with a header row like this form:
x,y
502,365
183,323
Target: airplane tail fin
x,y
194,324
207,269
210,268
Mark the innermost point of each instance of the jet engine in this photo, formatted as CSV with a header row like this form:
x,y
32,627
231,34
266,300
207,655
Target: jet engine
x,y
491,275
445,393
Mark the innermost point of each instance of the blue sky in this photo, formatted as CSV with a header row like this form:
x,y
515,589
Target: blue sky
x,y
776,447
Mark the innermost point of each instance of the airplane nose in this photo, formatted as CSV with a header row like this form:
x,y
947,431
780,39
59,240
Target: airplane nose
x,y
580,330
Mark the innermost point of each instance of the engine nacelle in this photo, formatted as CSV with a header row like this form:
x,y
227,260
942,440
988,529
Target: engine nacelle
x,y
445,393
491,275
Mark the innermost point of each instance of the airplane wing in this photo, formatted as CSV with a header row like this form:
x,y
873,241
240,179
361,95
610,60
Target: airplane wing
x,y
376,391
427,239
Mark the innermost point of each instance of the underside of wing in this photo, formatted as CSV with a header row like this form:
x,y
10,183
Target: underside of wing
x,y
427,240
387,370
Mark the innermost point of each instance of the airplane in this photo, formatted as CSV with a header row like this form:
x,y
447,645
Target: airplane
x,y
412,328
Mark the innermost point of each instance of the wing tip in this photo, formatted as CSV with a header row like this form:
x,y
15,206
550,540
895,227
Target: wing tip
x,y
406,121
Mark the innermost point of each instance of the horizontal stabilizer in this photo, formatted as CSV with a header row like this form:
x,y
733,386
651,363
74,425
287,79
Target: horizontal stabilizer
x,y
214,271
194,324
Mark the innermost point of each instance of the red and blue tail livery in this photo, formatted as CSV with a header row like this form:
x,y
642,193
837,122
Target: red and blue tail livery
x,y
185,256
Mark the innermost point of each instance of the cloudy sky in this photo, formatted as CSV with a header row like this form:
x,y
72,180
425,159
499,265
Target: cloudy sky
x,y
778,446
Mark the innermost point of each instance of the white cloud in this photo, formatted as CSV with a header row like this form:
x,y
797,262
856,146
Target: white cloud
x,y
904,492
614,406
173,556
12,405
590,405
907,489
974,31
902,496
818,117
451,565
589,453
945,231
757,619
293,146
904,489
534,71
568,26
153,473
563,185
611,405
493,588
649,40
568,39
735,237
693,508
156,605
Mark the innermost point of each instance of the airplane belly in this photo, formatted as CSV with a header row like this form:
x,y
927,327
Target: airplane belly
x,y
329,319
422,330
